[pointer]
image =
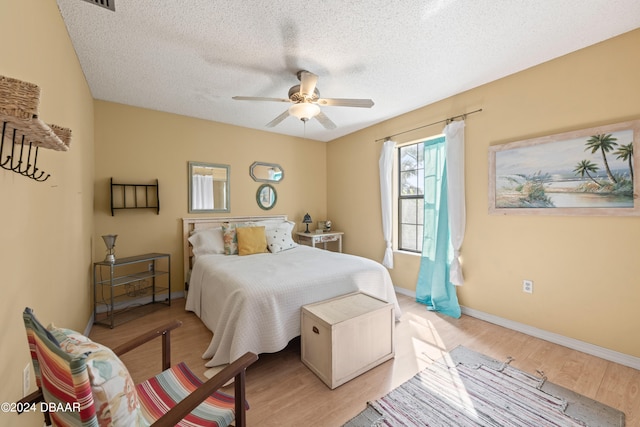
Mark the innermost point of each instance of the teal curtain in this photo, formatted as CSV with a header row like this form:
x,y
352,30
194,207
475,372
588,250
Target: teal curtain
x,y
434,287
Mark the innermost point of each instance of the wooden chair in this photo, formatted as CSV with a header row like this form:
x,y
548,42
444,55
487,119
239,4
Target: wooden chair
x,y
88,385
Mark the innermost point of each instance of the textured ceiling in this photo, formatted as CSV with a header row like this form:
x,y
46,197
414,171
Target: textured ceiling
x,y
190,57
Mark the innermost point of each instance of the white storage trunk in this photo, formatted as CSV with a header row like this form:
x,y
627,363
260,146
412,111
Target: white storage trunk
x,y
346,336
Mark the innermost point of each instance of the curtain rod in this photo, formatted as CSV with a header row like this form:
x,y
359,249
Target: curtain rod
x,y
450,119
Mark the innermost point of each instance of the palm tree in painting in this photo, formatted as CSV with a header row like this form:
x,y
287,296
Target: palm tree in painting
x,y
604,143
625,152
584,167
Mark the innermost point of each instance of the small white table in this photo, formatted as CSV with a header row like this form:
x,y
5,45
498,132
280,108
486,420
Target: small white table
x,y
312,238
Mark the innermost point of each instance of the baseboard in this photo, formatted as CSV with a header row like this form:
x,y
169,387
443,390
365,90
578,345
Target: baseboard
x,y
87,330
574,344
403,291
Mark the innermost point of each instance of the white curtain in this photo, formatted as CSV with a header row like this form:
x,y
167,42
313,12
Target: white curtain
x,y
202,192
454,134
386,183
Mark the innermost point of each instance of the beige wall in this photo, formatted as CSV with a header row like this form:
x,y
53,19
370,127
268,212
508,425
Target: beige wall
x,y
47,227
585,269
136,145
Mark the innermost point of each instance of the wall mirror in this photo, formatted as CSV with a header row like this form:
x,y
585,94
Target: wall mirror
x,y
266,172
209,187
266,196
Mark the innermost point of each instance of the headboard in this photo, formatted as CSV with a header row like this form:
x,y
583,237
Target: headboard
x,y
191,224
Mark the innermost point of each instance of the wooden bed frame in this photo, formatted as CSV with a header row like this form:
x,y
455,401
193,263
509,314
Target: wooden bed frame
x,y
189,225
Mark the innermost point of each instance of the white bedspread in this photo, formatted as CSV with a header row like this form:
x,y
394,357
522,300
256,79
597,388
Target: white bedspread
x,y
252,303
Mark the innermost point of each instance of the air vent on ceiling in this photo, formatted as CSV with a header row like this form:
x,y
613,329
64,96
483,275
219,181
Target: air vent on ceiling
x,y
107,4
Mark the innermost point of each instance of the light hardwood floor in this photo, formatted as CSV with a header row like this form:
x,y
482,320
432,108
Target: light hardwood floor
x,y
283,392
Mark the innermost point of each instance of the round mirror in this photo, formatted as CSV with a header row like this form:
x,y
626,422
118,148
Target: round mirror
x,y
266,196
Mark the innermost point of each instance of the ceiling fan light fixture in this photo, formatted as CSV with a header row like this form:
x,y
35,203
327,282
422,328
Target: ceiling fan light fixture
x,y
304,110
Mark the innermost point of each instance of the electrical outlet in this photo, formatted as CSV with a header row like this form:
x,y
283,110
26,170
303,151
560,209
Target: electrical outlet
x,y
26,380
527,286
150,266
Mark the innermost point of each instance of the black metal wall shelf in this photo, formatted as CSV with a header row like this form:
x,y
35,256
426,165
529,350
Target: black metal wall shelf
x,y
134,196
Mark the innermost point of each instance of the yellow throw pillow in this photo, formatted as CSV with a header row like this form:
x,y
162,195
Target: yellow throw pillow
x,y
251,240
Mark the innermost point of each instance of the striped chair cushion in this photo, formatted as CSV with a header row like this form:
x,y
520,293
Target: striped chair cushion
x,y
161,393
63,378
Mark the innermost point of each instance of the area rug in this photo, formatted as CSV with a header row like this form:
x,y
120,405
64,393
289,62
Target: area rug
x,y
471,389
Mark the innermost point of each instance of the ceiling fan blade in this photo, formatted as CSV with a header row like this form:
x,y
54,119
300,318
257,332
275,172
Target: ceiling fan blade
x,y
345,102
308,83
278,119
325,121
260,98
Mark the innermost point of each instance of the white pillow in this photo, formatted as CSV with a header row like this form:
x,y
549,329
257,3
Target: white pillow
x,y
270,223
209,241
279,237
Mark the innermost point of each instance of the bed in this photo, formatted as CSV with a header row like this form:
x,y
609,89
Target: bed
x,y
252,303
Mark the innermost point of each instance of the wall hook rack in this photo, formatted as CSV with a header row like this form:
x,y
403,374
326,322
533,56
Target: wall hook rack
x,y
30,170
23,133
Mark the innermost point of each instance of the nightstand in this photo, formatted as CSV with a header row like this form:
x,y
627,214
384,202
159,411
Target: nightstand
x,y
312,238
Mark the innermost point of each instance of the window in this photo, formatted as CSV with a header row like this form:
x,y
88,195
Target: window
x,y
411,195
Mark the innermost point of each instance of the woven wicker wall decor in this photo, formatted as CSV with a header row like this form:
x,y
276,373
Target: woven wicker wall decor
x,y
23,133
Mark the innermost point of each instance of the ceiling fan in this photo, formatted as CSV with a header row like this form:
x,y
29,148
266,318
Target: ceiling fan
x,y
305,100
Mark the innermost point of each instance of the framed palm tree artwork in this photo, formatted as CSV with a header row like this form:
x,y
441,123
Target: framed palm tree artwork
x,y
583,172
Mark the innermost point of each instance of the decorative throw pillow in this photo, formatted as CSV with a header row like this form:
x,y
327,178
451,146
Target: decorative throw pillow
x,y
251,240
61,335
209,241
114,392
279,238
230,238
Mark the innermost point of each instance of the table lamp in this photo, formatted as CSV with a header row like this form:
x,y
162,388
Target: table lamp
x,y
110,242
306,220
